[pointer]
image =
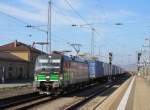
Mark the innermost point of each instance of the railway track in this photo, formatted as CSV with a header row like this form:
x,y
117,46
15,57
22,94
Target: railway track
x,y
28,101
88,102
47,99
23,102
77,100
15,101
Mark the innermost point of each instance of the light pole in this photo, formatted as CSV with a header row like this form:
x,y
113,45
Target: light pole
x,y
92,42
92,33
48,31
49,27
148,39
148,62
38,29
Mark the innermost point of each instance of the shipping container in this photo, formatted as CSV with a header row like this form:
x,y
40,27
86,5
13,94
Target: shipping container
x,y
113,70
106,69
95,69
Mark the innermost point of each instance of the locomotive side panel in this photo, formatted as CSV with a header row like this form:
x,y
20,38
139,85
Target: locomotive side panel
x,y
78,72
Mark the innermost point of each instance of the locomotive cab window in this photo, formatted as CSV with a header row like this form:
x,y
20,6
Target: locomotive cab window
x,y
48,64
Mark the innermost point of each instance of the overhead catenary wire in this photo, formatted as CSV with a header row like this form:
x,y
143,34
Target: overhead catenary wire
x,y
69,4
60,38
93,30
26,23
13,17
77,13
19,20
56,9
62,13
66,41
82,18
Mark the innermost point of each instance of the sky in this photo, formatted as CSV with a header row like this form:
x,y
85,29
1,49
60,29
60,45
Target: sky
x,y
122,40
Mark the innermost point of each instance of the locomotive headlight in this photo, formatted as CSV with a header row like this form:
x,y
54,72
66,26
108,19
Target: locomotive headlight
x,y
61,77
35,78
47,77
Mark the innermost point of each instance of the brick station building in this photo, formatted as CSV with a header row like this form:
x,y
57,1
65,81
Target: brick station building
x,y
17,61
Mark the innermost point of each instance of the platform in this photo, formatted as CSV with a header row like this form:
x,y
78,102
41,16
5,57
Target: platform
x,y
134,94
14,85
13,89
141,96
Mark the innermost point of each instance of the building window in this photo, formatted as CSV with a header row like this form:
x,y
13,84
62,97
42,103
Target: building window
x,y
10,69
20,73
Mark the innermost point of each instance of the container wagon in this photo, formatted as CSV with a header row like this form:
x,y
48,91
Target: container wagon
x,y
95,69
57,73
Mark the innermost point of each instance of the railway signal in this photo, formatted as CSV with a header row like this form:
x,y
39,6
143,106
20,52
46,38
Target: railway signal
x,y
110,65
110,57
139,56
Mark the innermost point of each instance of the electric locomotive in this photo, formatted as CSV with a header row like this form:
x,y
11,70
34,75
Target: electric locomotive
x,y
56,73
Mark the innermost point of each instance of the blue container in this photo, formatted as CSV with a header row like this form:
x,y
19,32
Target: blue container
x,y
95,69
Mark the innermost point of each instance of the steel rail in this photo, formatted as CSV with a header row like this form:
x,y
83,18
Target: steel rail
x,y
80,103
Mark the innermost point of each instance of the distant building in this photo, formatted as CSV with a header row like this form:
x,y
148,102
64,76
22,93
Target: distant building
x,y
17,61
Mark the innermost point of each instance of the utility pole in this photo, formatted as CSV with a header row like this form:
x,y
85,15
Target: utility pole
x,y
92,42
144,62
92,35
49,47
48,42
149,49
38,29
148,62
99,52
147,66
148,39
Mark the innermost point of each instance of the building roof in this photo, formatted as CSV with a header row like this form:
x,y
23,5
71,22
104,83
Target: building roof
x,y
6,56
18,46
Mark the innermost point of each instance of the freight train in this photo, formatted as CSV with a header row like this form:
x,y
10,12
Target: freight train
x,y
57,72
